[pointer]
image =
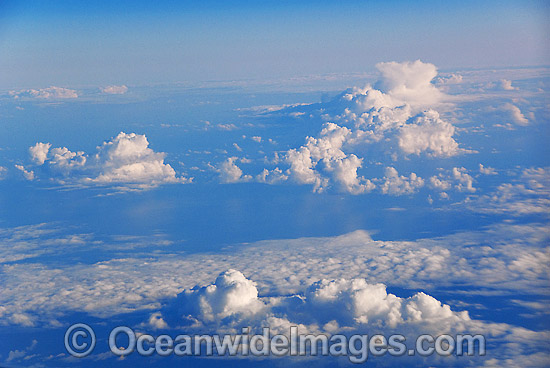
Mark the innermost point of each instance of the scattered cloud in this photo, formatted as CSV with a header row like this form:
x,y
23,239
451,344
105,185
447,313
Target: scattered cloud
x,y
463,179
531,195
28,174
394,184
457,178
450,79
506,85
230,173
322,162
39,152
50,93
115,90
487,170
3,172
272,176
515,114
19,354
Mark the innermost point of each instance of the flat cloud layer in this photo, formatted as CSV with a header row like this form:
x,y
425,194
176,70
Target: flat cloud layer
x,y
516,261
323,285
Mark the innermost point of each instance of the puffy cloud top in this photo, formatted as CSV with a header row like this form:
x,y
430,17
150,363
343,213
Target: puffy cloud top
x,y
39,152
397,112
126,159
232,294
326,305
396,184
409,82
321,161
428,133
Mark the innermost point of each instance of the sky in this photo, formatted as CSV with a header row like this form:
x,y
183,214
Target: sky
x,y
350,168
82,43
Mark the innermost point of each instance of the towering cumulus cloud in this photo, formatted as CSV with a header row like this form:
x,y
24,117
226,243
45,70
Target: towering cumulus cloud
x,y
124,160
409,82
326,306
394,118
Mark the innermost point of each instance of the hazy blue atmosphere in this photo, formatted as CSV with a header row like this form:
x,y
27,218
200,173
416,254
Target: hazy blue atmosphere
x,y
343,167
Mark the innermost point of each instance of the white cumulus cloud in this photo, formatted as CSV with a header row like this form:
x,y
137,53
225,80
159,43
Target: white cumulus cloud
x,y
115,90
127,159
28,174
506,85
230,173
515,114
395,184
322,162
428,133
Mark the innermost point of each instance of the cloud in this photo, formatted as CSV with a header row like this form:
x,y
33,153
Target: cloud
x,y
506,85
465,181
515,114
28,174
409,82
156,321
501,259
529,196
487,170
271,176
428,133
39,152
439,183
18,354
230,173
323,163
394,184
450,79
3,172
115,90
397,112
457,178
50,93
126,159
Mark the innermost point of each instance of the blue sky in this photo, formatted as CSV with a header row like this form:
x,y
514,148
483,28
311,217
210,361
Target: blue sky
x,y
143,43
345,167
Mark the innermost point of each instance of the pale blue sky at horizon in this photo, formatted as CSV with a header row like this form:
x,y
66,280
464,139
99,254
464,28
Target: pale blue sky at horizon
x,y
88,43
